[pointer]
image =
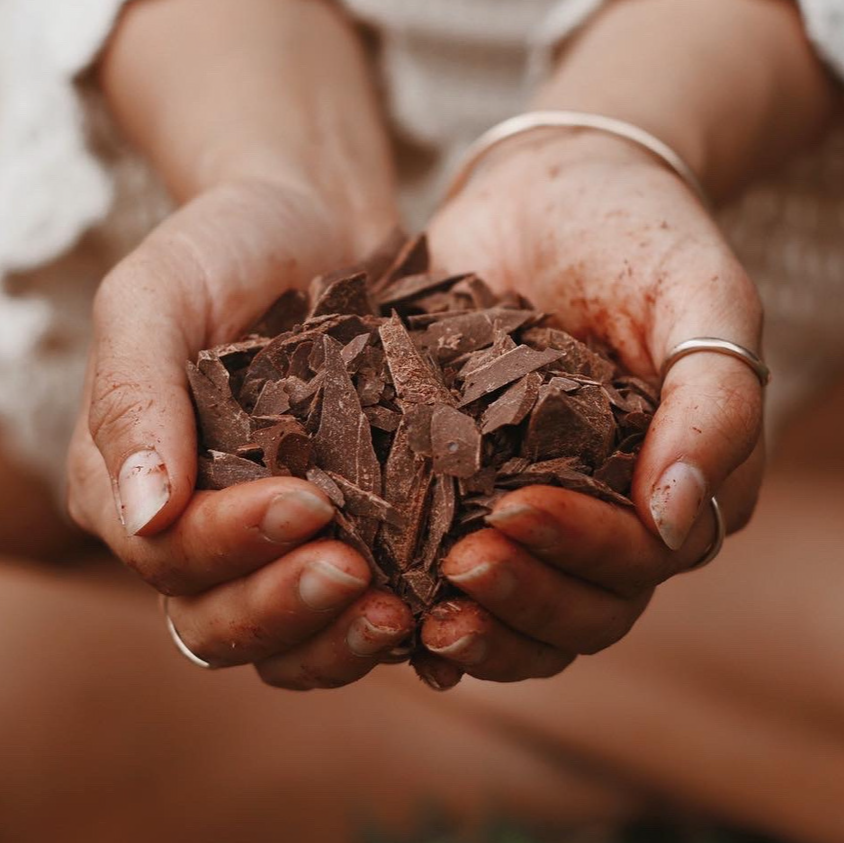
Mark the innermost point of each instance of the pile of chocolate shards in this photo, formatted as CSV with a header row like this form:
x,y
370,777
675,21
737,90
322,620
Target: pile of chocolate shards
x,y
415,400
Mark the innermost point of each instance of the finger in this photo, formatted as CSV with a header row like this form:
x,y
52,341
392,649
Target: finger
x,y
537,600
220,536
710,417
274,609
598,542
462,632
347,650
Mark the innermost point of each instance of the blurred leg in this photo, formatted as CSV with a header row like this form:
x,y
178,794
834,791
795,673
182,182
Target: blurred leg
x,y
107,734
729,694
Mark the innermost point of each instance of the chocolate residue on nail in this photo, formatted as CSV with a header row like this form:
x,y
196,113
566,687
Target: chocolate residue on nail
x,y
415,401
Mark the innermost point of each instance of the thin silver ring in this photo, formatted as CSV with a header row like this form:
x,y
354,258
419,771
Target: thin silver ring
x,y
532,120
717,542
177,640
719,346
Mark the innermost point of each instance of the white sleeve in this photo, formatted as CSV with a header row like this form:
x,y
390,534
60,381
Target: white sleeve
x,y
824,21
52,188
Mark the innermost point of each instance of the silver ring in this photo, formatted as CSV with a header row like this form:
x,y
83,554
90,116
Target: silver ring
x,y
717,542
719,346
180,645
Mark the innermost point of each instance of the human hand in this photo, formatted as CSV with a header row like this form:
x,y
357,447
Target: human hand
x,y
597,232
248,582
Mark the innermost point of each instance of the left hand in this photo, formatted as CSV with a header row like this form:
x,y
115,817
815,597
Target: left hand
x,y
599,233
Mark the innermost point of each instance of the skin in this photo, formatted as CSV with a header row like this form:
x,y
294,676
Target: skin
x,y
269,201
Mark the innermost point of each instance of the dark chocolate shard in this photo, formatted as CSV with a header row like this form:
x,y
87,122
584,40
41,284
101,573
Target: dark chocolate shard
x,y
440,520
505,369
323,481
577,425
415,379
353,352
348,294
223,424
411,259
348,532
365,504
418,420
407,479
343,441
286,446
513,406
273,400
413,286
382,418
219,471
577,358
617,471
449,338
455,442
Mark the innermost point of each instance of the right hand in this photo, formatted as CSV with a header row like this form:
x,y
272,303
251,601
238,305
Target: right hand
x,y
248,584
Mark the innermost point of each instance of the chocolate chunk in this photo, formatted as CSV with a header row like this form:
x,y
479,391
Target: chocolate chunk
x,y
366,504
570,425
455,442
286,446
344,442
577,357
223,424
273,400
324,482
407,479
414,286
347,294
617,471
514,405
411,259
219,471
382,418
414,378
505,369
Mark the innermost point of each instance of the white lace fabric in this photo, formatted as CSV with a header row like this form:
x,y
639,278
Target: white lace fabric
x,y
450,69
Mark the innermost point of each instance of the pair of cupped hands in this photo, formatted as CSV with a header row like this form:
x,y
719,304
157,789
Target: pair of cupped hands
x,y
589,228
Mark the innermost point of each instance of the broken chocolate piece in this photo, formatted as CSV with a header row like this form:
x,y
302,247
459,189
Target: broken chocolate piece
x,y
505,369
219,471
455,442
514,405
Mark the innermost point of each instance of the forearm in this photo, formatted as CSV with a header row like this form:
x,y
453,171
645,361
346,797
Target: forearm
x,y
732,85
220,90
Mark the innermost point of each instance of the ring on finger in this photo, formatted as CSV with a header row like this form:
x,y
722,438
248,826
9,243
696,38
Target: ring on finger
x,y
718,540
177,639
719,346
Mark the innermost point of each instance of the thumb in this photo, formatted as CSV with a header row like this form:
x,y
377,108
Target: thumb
x,y
710,419
140,414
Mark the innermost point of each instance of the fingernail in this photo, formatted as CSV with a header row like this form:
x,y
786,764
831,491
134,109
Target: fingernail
x,y
294,514
527,522
366,639
676,501
469,650
323,586
497,580
143,488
